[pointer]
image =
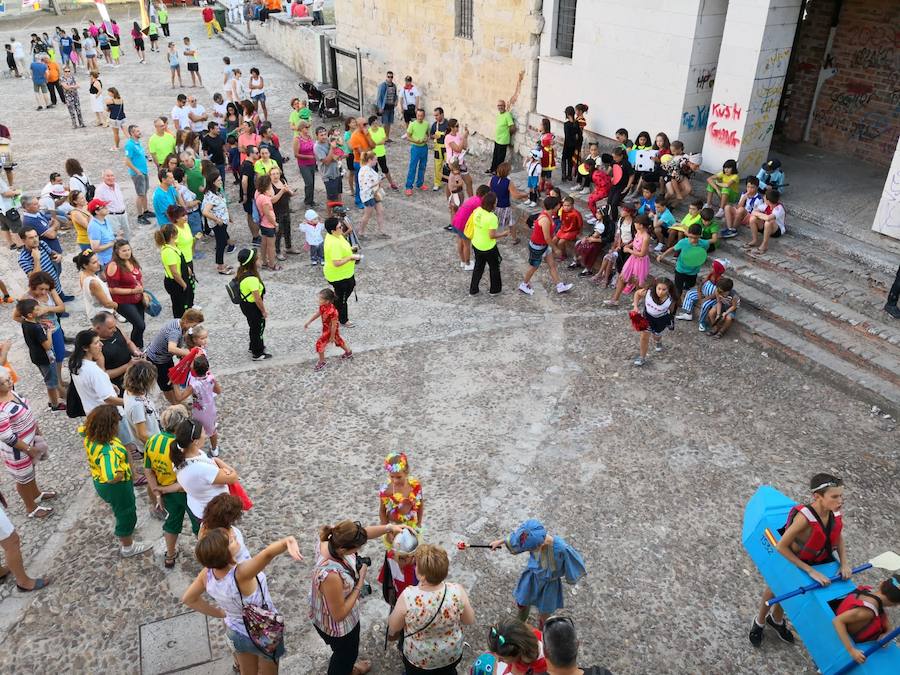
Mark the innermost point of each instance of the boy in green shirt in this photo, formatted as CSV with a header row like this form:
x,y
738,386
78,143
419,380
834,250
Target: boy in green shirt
x,y
692,253
417,133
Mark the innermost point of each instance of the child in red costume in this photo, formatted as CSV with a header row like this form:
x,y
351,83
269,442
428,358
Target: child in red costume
x,y
602,183
330,331
548,163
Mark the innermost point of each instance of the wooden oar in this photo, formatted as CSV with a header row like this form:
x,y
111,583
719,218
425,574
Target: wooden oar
x,y
888,560
871,650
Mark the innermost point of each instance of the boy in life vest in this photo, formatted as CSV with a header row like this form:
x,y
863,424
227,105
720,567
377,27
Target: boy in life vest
x,y
811,536
861,616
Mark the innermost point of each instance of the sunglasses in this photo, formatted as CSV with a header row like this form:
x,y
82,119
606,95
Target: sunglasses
x,y
558,619
837,482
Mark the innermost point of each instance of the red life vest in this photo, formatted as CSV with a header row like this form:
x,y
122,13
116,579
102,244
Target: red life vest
x,y
877,625
823,537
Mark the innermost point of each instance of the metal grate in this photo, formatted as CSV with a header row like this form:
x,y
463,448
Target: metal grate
x,y
464,19
565,27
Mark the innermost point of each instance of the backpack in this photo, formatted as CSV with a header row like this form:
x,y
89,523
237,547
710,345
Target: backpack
x,y
469,229
89,189
234,291
74,406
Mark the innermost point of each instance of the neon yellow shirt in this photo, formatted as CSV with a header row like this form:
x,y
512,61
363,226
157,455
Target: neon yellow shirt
x,y
337,247
417,132
250,284
485,221
156,458
169,255
185,241
377,136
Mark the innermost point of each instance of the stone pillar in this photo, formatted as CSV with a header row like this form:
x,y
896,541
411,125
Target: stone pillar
x,y
887,218
756,48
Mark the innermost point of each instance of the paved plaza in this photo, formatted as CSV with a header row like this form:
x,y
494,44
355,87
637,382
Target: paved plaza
x,y
509,407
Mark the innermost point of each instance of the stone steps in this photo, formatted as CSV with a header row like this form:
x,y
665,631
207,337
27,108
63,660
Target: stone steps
x,y
239,37
815,300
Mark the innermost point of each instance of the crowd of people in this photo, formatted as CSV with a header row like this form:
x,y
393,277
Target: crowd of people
x,y
174,456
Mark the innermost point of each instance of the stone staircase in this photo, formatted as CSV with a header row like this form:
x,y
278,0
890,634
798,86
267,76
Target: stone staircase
x,y
239,37
815,300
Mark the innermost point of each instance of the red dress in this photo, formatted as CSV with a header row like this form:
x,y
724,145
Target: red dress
x,y
572,224
329,315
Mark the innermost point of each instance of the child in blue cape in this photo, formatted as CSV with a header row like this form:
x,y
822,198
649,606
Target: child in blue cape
x,y
551,559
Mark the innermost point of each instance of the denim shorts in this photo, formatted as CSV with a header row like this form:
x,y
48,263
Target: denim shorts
x,y
387,116
140,182
51,378
259,97
244,645
536,254
195,221
370,202
460,234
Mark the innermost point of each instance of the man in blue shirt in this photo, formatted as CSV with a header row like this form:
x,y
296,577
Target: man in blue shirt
x,y
100,232
36,255
39,80
46,226
136,161
165,196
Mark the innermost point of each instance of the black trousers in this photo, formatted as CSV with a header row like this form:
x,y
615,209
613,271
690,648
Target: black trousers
x,y
492,258
343,289
499,156
344,651
415,670
568,153
221,234
894,293
283,231
257,326
56,88
182,299
134,314
165,27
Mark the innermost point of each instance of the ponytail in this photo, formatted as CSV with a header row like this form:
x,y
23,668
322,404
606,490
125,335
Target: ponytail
x,y
164,234
186,433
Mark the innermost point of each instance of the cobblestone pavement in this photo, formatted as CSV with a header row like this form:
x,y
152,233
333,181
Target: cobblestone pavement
x,y
509,407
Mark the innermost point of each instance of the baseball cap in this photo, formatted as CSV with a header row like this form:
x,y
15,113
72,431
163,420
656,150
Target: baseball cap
x,y
536,154
311,215
95,204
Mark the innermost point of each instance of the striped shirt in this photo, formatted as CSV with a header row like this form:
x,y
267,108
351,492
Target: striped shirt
x,y
158,351
318,607
17,422
156,458
107,459
26,262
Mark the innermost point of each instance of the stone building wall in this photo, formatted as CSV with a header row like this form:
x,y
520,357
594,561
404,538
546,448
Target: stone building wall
x,y
858,110
502,50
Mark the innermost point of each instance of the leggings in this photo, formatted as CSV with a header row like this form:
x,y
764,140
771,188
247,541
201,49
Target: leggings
x,y
344,651
343,289
257,326
182,299
283,221
221,234
134,314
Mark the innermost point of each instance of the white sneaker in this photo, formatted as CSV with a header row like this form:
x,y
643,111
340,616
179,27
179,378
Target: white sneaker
x,y
214,452
658,248
526,289
435,188
658,346
720,213
684,316
469,267
562,288
136,548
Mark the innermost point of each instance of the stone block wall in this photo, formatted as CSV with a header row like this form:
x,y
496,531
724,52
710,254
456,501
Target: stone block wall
x,y
858,110
464,76
294,44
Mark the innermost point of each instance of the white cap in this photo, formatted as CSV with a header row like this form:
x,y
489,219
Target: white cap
x,y
311,215
696,158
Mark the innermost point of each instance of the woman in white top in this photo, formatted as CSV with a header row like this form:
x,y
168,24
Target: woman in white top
x,y
369,187
232,585
78,179
91,382
258,92
201,476
430,616
94,291
235,90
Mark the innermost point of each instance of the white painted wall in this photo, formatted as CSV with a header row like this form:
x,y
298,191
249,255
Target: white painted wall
x,y
626,47
887,218
756,48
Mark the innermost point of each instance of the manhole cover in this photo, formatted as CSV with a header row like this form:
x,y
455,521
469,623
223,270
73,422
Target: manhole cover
x,y
175,643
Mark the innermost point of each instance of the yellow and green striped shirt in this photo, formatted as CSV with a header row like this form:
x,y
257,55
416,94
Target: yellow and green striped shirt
x,y
107,459
156,458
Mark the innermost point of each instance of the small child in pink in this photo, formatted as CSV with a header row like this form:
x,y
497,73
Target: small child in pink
x,y
203,386
330,327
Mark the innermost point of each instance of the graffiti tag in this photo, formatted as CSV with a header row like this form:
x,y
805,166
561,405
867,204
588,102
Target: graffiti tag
x,y
727,112
722,136
696,119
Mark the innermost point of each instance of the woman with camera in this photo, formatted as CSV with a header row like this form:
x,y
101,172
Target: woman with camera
x,y
339,580
340,265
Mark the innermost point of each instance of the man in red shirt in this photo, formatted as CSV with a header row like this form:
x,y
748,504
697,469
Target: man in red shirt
x,y
209,18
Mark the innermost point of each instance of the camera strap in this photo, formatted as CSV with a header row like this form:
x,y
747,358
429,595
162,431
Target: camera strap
x,y
350,570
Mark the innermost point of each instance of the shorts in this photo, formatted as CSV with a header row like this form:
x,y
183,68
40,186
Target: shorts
x,y
7,225
177,66
176,506
162,374
51,377
546,174
154,38
195,222
726,192
118,124
125,435
382,164
140,182
350,166
248,207
120,497
684,281
387,116
657,324
6,526
460,234
536,254
267,231
244,645
40,87
333,188
193,67
255,97
370,203
20,465
532,181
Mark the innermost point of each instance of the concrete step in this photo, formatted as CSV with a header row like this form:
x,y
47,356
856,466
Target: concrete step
x,y
239,38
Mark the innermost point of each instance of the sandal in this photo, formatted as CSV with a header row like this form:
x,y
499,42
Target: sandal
x,y
362,667
39,583
319,366
280,256
140,480
169,562
228,270
347,355
48,495
41,512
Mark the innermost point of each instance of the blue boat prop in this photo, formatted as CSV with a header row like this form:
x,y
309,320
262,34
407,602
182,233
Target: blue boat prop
x,y
809,606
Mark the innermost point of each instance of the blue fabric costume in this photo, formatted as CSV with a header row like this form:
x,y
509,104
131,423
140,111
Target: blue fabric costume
x,y
541,583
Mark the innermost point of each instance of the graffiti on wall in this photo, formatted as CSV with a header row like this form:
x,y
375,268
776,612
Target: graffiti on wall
x,y
696,119
726,111
719,129
706,78
777,61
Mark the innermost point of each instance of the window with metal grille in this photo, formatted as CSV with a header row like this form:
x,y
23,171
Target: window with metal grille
x,y
564,37
464,19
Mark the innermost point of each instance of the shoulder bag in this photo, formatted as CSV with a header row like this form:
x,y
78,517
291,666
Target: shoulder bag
x,y
265,627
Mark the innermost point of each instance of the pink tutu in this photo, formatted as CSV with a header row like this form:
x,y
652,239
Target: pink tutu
x,y
635,266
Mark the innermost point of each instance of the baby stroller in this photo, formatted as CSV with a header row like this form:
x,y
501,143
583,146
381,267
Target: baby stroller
x,y
330,106
313,96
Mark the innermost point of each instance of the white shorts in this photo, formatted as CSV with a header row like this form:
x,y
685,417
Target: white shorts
x,y
6,526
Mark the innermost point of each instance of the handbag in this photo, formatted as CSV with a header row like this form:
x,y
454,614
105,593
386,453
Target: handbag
x,y
264,627
13,216
153,306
